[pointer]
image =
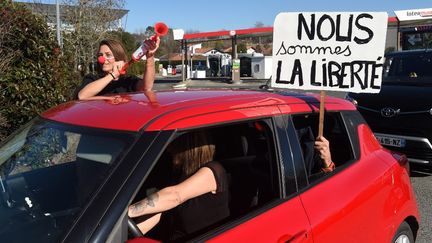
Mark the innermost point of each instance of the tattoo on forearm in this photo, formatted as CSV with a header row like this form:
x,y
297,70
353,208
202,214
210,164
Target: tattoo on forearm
x,y
138,207
152,199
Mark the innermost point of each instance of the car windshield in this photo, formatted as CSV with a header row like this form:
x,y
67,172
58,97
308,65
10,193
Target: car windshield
x,y
48,173
408,69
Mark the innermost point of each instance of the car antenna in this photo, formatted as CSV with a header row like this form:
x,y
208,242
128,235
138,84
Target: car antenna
x,y
266,86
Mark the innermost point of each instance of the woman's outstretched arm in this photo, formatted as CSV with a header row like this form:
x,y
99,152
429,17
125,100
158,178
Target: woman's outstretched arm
x,y
203,181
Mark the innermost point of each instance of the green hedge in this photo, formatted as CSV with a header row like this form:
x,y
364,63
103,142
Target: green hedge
x,y
40,76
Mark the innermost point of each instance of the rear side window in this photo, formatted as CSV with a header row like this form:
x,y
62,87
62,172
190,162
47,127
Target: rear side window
x,y
408,66
335,132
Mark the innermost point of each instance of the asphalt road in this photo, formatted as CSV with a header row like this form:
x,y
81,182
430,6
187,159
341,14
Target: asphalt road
x,y
421,177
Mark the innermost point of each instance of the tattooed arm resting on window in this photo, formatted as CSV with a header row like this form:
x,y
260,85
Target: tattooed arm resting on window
x,y
203,181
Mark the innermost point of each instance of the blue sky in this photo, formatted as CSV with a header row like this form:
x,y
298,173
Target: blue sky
x,y
204,16
217,15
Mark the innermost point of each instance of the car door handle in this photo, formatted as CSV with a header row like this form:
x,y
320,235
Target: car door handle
x,y
298,237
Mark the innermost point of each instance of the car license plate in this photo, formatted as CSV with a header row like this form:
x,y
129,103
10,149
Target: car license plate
x,y
391,141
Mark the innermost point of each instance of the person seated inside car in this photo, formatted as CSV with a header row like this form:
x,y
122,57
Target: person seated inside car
x,y
198,197
316,152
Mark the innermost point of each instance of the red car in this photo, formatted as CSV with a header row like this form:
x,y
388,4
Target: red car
x,y
70,174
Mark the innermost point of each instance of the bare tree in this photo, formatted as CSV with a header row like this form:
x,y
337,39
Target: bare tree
x,y
88,22
259,24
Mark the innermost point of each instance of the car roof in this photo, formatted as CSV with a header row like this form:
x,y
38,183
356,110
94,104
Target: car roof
x,y
186,108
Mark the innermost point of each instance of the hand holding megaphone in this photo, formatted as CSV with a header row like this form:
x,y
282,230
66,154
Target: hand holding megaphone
x,y
150,45
161,29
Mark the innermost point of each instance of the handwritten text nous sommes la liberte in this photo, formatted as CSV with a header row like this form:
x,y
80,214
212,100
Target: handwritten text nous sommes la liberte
x,y
362,72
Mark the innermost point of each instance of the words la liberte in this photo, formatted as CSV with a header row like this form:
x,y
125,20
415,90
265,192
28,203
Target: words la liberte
x,y
345,75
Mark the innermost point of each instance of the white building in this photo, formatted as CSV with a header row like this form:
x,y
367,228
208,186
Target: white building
x,y
261,67
255,65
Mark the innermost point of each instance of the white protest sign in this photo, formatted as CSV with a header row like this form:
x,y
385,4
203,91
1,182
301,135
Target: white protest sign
x,y
329,51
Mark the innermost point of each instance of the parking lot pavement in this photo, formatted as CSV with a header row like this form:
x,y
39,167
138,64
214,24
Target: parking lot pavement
x,y
421,178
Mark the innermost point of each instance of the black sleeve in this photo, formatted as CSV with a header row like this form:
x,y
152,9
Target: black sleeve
x,y
219,174
124,85
86,80
131,83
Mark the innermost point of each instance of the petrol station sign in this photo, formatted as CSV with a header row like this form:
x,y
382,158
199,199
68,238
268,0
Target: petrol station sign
x,y
414,14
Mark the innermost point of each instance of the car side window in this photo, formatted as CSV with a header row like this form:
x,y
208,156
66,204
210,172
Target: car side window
x,y
335,132
247,153
408,66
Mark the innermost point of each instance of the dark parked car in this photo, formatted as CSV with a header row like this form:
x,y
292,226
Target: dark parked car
x,y
70,174
401,114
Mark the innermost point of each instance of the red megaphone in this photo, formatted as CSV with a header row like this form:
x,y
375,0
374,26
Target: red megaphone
x,y
161,29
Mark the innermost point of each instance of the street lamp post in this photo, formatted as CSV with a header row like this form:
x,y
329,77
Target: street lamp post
x,y
235,68
183,61
58,24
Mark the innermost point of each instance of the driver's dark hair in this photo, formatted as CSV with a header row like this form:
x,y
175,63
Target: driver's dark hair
x,y
192,150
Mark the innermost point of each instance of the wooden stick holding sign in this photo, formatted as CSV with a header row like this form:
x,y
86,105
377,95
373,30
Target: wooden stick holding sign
x,y
321,113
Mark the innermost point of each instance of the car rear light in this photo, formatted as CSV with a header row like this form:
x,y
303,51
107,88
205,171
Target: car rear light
x,y
352,100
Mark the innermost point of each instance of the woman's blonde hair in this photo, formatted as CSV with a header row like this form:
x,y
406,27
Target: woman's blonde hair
x,y
191,151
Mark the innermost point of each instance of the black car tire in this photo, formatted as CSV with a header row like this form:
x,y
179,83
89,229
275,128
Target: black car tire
x,y
133,229
404,234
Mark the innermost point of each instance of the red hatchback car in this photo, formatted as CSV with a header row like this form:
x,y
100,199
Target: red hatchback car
x,y
70,174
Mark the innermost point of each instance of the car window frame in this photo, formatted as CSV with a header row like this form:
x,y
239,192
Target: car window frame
x,y
277,129
289,153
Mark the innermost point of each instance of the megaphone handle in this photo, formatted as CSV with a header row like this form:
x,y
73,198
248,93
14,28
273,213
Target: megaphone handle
x,y
124,68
